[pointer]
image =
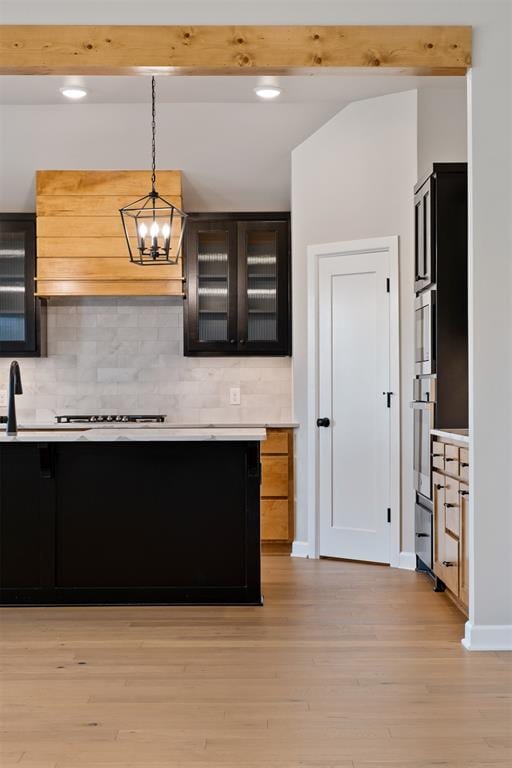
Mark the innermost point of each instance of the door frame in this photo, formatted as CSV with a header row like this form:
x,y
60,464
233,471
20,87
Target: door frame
x,y
316,253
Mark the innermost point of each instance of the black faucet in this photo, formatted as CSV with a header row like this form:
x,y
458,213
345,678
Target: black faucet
x,y
15,388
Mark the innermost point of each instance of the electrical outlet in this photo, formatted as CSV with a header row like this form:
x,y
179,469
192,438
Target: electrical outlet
x,y
3,398
234,396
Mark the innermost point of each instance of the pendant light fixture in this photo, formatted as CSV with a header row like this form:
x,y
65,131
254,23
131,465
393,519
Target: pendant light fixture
x,y
152,225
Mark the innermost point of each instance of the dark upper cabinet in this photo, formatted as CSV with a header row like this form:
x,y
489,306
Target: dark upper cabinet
x,y
20,311
440,221
424,236
237,272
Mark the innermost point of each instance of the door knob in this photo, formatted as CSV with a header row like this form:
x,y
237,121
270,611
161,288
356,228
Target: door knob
x,y
325,422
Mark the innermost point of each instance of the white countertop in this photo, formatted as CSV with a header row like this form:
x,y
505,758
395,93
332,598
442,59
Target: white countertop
x,y
460,435
165,425
141,434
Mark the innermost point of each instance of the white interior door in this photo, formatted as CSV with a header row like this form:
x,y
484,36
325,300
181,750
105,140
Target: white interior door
x,y
354,375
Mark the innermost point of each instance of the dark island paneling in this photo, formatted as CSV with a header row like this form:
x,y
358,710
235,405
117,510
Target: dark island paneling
x,y
130,522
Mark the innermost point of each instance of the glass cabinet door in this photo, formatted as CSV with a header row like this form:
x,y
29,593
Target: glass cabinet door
x,y
211,247
18,332
263,287
237,286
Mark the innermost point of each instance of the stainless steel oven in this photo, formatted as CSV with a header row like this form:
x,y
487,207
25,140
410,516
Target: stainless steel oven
x,y
423,407
425,334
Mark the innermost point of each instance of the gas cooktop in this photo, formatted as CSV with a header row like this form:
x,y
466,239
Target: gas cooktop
x,y
111,418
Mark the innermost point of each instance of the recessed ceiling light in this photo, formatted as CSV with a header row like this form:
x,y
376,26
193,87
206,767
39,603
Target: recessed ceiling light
x,y
267,91
73,92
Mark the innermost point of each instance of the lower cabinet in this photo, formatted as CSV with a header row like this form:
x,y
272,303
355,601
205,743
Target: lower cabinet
x,y
451,509
277,497
130,522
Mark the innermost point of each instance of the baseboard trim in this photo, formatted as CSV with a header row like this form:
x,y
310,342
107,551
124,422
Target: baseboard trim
x,y
487,637
407,561
300,549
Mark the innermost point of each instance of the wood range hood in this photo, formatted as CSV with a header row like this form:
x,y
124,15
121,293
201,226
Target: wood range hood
x,y
81,247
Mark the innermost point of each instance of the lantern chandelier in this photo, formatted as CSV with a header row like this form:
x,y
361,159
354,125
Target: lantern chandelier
x,y
152,225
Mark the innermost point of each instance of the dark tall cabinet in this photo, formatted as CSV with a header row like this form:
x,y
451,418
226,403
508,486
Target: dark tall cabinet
x,y
237,284
441,327
20,316
442,253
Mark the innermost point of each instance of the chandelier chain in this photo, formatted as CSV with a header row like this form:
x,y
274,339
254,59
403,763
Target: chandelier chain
x,y
153,132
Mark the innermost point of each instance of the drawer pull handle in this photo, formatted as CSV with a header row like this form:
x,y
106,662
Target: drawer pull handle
x,y
464,464
423,535
448,505
447,564
437,455
451,459
440,487
464,493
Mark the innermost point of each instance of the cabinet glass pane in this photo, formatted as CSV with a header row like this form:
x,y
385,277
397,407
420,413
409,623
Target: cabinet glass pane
x,y
261,254
213,286
12,286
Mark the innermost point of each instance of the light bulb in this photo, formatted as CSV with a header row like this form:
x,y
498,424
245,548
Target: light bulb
x,y
73,92
166,230
154,229
143,230
267,91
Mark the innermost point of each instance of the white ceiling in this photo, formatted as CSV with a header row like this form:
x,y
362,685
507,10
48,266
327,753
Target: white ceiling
x,y
337,90
233,148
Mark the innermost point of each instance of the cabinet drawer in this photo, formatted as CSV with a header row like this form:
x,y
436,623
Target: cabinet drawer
x,y
464,463
450,563
275,520
451,459
438,455
276,442
274,476
452,506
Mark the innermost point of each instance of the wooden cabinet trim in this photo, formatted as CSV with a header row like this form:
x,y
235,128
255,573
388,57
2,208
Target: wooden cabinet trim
x,y
281,505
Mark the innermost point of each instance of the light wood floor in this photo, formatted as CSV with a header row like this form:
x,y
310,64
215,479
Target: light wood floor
x,y
346,666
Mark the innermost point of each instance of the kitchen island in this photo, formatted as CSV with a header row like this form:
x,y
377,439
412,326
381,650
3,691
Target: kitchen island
x,y
130,516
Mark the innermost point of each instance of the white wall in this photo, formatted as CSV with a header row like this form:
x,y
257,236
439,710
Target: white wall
x,y
236,156
442,126
490,160
353,179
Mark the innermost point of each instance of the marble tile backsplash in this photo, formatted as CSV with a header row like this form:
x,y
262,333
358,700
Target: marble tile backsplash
x,y
126,356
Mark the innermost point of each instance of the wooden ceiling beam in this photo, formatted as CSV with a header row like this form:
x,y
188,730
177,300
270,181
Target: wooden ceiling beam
x,y
229,50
